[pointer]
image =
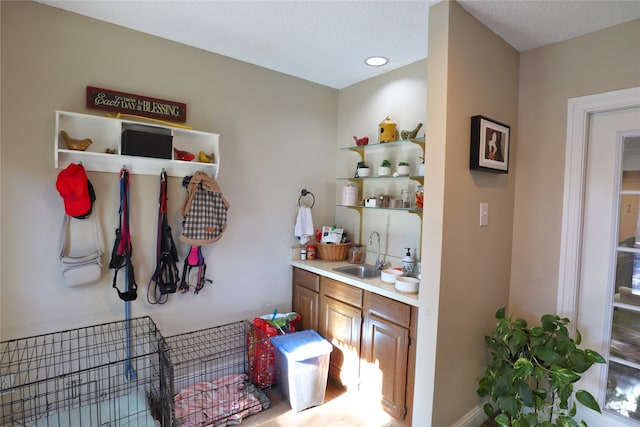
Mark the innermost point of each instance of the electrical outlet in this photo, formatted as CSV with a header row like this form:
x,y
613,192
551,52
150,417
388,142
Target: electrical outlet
x,y
7,381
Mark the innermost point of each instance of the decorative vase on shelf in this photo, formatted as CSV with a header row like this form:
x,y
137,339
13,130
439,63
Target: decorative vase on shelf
x,y
362,170
403,169
385,168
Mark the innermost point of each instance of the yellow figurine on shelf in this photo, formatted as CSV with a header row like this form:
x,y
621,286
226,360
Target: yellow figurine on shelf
x,y
387,130
76,144
205,158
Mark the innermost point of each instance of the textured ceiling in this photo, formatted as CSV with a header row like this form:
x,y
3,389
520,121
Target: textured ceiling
x,y
327,41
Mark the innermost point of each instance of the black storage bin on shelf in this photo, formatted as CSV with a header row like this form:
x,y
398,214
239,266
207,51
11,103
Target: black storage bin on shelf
x,y
146,141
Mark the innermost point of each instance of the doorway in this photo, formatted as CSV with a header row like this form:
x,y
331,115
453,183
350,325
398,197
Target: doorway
x,y
598,126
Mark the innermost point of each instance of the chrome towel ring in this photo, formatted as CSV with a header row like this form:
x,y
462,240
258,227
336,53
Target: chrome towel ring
x,y
305,193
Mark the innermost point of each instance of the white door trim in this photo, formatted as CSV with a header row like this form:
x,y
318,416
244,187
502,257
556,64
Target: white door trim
x,y
579,110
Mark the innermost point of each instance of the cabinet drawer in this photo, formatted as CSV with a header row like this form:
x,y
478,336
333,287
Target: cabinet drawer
x,y
385,308
342,292
306,279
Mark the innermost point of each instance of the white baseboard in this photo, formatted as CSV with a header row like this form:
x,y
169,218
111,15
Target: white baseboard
x,y
473,418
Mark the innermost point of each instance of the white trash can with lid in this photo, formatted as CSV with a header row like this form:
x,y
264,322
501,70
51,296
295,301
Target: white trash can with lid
x,y
302,361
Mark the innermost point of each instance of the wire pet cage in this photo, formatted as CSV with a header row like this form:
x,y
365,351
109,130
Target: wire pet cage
x,y
108,374
211,383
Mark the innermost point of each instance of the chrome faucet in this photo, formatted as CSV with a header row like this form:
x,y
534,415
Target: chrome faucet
x,y
379,264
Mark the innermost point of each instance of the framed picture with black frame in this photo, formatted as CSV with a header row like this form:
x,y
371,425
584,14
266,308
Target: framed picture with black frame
x,y
489,145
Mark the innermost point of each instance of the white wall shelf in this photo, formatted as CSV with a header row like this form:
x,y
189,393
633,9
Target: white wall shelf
x,y
106,133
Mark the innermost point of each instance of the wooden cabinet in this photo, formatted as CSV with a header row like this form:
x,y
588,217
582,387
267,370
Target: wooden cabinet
x,y
385,352
372,336
306,298
341,324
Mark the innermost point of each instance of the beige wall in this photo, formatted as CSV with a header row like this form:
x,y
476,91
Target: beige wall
x,y
599,62
400,94
474,72
273,129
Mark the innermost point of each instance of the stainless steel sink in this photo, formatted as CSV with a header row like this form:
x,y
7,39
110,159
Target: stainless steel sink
x,y
361,271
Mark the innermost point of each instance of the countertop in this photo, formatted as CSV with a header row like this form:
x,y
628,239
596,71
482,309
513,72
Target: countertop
x,y
377,286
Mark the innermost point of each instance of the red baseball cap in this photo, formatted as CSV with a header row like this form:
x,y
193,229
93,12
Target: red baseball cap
x,y
76,191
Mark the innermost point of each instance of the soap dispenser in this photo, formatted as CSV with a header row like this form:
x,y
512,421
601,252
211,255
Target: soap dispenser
x,y
408,263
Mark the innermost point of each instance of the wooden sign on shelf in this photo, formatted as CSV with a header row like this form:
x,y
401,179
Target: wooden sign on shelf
x,y
127,103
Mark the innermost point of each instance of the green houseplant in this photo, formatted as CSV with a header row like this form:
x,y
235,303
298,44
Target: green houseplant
x,y
529,380
385,168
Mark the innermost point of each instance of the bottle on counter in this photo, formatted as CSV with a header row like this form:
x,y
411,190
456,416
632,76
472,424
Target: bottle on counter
x,y
408,263
311,251
356,254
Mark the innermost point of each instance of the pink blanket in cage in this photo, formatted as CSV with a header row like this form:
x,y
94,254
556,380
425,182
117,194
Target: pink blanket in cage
x,y
216,403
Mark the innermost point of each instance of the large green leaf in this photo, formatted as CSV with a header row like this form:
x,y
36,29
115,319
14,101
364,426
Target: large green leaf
x,y
573,411
564,375
536,331
545,353
578,337
500,313
521,421
508,404
503,420
540,392
587,400
503,382
594,356
523,389
519,323
564,344
539,373
516,341
522,368
564,421
549,322
564,393
578,361
488,409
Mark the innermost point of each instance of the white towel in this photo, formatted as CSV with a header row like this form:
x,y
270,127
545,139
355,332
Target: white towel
x,y
304,225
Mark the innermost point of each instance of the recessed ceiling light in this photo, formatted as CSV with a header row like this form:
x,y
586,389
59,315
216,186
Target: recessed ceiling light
x,y
376,61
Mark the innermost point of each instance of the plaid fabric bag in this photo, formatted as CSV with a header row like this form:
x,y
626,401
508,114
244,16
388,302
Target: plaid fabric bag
x,y
204,211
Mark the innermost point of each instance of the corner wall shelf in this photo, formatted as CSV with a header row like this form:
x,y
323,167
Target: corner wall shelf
x,y
360,149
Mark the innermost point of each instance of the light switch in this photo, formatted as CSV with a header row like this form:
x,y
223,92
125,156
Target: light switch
x,y
484,214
